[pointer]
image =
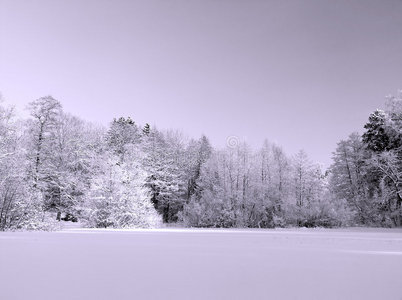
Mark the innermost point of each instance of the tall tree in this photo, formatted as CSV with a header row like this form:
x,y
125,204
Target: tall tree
x,y
350,178
20,203
161,159
301,174
46,112
197,154
121,134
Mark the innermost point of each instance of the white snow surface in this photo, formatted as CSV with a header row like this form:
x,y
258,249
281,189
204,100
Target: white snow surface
x,y
201,264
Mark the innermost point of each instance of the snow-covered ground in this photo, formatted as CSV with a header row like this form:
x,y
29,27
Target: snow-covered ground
x,y
201,264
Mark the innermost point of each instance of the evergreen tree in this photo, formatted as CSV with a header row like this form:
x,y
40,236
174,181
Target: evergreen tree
x,y
122,133
376,136
146,130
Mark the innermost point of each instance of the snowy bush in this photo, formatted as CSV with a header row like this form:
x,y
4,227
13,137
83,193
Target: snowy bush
x,y
325,212
24,210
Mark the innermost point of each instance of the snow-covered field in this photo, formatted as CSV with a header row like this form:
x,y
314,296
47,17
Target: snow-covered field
x,y
201,264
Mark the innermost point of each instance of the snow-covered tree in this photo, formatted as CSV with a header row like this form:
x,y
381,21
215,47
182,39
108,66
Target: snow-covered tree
x,y
366,170
121,134
348,178
162,157
239,187
45,113
118,196
21,205
389,165
197,154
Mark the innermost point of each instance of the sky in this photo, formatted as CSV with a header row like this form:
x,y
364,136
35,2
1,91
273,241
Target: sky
x,y
302,74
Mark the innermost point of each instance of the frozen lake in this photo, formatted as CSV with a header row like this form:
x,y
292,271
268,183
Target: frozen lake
x,y
201,264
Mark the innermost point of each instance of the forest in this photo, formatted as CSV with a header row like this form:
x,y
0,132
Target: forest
x,y
56,167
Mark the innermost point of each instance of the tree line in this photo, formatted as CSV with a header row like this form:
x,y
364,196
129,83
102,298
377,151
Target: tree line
x,y
56,167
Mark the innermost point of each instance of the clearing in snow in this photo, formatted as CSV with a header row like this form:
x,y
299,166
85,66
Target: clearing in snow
x,y
201,264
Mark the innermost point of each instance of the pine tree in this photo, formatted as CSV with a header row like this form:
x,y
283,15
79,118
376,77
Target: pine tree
x,y
376,137
121,134
146,130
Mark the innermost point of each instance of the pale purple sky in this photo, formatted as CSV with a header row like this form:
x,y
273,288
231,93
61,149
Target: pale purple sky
x,y
303,74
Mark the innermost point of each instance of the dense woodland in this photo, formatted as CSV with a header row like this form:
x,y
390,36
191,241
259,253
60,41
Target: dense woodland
x,y
55,167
